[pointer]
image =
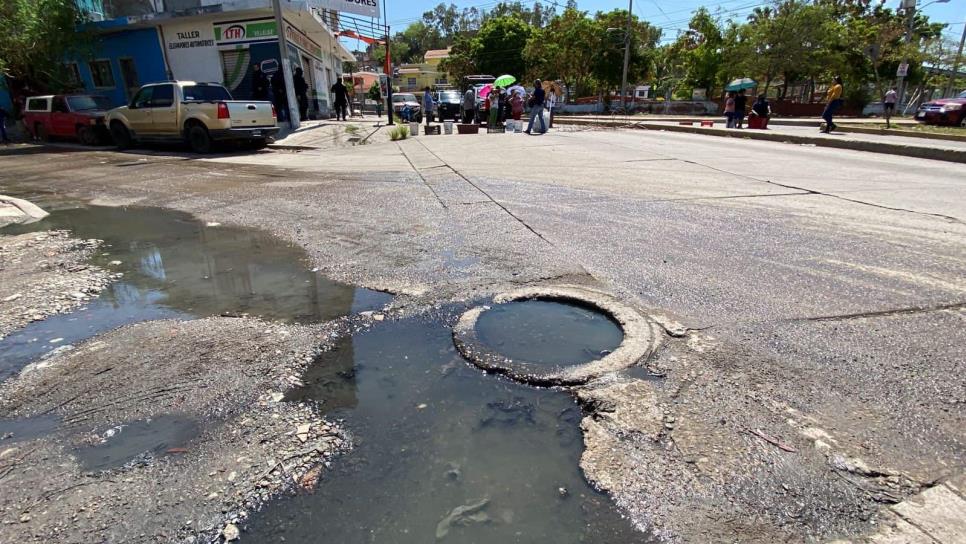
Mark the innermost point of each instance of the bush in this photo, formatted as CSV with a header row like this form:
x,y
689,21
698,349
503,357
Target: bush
x,y
399,132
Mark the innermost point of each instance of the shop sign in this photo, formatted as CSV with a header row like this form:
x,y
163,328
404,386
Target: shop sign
x,y
302,41
188,39
245,31
368,8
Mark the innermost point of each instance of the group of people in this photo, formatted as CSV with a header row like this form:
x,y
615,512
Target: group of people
x,y
736,104
503,104
273,89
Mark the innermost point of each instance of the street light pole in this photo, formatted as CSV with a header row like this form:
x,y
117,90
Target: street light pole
x,y
910,7
627,53
286,68
951,87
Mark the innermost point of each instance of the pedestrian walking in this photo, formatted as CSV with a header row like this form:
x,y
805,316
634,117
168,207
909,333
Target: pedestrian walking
x,y
301,93
504,106
428,105
889,105
469,106
259,83
536,107
3,125
741,105
341,100
279,95
833,103
729,109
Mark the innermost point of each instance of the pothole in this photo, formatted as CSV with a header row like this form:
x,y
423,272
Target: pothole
x,y
554,336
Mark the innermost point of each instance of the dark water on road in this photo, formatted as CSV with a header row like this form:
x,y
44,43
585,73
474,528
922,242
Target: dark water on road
x,y
136,439
548,332
433,434
175,266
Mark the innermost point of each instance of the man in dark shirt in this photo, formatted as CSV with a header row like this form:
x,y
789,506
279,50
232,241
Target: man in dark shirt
x,y
341,93
536,107
259,83
279,95
741,102
301,93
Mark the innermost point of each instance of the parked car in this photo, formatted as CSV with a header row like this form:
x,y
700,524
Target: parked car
x,y
196,113
406,107
448,104
79,116
944,111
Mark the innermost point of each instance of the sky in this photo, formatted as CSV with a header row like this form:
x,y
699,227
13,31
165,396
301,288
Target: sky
x,y
670,15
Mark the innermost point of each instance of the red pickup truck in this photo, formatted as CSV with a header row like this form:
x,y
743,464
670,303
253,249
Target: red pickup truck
x,y
79,116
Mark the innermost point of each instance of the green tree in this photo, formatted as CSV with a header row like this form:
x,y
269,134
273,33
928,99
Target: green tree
x,y
36,36
563,50
499,46
700,47
375,93
607,67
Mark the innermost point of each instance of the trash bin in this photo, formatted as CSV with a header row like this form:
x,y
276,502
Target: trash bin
x,y
448,127
413,128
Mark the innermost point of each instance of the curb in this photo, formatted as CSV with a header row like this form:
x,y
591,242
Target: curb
x,y
906,133
284,147
947,155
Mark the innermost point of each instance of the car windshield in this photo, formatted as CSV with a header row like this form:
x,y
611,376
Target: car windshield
x,y
206,93
962,94
88,103
449,95
403,97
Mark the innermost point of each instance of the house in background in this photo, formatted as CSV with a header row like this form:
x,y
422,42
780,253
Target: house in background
x,y
416,77
144,41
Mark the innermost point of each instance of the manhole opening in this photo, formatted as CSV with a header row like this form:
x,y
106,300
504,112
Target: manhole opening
x,y
549,331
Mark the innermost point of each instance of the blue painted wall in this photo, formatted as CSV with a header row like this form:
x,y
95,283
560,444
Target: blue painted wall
x,y
141,45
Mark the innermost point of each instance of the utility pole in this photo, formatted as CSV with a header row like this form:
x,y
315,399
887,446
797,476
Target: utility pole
x,y
388,66
951,87
627,53
286,68
910,7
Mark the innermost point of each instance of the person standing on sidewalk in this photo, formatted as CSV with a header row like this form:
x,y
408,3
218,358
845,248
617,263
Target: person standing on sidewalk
x,y
552,102
469,106
427,105
889,105
301,93
741,103
729,110
833,103
259,83
3,125
341,100
536,107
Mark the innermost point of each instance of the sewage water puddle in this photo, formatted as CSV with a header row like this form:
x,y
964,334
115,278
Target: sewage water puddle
x,y
175,266
442,452
548,332
131,440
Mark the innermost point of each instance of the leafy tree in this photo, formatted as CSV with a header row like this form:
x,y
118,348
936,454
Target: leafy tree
x,y
499,46
35,38
374,93
563,50
700,47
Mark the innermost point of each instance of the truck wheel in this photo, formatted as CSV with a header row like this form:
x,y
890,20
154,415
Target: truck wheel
x,y
198,139
259,143
86,135
40,133
121,136
962,121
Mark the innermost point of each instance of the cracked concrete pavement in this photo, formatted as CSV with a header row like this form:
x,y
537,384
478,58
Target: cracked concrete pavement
x,y
813,297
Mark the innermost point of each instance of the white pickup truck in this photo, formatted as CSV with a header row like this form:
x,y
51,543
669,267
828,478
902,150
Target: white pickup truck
x,y
196,113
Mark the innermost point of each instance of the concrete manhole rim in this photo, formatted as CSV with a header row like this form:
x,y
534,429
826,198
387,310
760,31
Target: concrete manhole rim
x,y
640,338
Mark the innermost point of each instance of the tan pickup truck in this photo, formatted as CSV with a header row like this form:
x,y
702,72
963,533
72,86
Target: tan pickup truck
x,y
195,113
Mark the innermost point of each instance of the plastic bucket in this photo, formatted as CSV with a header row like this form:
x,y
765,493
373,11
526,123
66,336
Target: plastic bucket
x,y
448,127
413,129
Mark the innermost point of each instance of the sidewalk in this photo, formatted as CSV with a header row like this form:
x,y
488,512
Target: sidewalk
x,y
329,133
804,131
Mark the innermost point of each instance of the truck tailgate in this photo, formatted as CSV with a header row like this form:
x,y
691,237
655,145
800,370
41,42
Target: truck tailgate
x,y
247,114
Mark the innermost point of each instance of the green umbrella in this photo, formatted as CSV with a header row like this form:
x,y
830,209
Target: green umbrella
x,y
741,83
504,80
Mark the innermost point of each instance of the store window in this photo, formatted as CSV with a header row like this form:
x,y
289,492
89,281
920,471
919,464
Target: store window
x,y
101,73
73,75
411,82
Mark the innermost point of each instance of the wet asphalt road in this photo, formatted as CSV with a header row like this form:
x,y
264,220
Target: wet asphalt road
x,y
848,268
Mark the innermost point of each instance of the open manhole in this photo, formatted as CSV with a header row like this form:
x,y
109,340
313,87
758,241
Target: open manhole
x,y
554,336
